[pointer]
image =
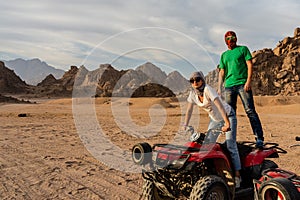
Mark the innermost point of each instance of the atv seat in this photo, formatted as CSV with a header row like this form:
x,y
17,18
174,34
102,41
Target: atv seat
x,y
243,149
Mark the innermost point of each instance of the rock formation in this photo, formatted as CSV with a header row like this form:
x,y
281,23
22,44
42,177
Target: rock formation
x,y
176,83
155,74
152,90
277,71
48,81
63,87
10,82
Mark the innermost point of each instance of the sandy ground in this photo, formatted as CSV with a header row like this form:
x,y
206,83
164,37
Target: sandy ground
x,y
55,153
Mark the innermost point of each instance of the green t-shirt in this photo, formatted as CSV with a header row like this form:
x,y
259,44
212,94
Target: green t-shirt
x,y
234,64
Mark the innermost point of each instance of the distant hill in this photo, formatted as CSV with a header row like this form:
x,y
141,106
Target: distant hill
x,y
33,71
177,83
153,72
174,80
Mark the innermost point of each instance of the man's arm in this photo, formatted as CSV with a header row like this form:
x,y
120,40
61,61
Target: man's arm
x,y
247,86
221,80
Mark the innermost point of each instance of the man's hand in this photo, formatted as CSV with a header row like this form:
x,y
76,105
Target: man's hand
x,y
247,86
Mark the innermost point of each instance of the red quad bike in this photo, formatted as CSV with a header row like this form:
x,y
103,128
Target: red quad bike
x,y
202,170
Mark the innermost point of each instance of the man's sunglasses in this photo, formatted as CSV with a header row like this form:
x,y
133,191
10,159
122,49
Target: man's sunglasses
x,y
197,79
230,37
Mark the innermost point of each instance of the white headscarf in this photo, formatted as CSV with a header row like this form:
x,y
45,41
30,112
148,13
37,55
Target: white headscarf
x,y
199,90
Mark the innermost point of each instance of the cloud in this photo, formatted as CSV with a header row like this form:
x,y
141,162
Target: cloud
x,y
63,33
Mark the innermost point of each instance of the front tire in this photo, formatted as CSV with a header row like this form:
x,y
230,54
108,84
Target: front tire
x,y
210,187
151,192
278,189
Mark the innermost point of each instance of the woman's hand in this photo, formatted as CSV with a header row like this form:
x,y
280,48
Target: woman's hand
x,y
183,127
226,128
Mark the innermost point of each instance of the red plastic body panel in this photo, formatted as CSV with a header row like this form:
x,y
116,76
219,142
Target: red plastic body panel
x,y
256,157
207,151
193,145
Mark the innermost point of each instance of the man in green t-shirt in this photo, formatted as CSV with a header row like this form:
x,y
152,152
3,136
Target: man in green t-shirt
x,y
236,70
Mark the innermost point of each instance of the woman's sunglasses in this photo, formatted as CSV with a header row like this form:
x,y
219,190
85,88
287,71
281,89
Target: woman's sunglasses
x,y
197,79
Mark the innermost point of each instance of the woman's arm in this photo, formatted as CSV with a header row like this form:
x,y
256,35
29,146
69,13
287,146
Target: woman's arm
x,y
188,113
220,106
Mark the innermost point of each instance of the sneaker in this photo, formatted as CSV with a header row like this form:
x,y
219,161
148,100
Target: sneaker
x,y
237,182
259,144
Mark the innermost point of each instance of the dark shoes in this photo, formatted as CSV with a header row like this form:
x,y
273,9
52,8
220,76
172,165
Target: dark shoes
x,y
259,144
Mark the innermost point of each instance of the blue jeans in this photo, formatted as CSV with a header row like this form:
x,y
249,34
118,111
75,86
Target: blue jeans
x,y
231,94
230,138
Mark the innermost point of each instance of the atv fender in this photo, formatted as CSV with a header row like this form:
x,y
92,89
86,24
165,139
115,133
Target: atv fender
x,y
256,157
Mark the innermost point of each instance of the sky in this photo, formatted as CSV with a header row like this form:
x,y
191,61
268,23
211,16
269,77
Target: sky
x,y
182,35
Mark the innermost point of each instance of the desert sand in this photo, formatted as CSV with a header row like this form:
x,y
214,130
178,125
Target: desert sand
x,y
48,155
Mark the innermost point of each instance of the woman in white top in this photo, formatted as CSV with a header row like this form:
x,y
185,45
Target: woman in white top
x,y
221,115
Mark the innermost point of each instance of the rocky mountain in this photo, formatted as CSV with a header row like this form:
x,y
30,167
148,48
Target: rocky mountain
x,y
212,78
49,80
275,71
33,71
52,87
107,81
155,74
176,82
10,82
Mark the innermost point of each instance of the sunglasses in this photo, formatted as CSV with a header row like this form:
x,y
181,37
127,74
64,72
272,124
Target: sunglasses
x,y
230,37
197,79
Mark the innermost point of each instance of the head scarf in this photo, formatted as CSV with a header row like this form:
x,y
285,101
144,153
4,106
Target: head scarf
x,y
199,90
